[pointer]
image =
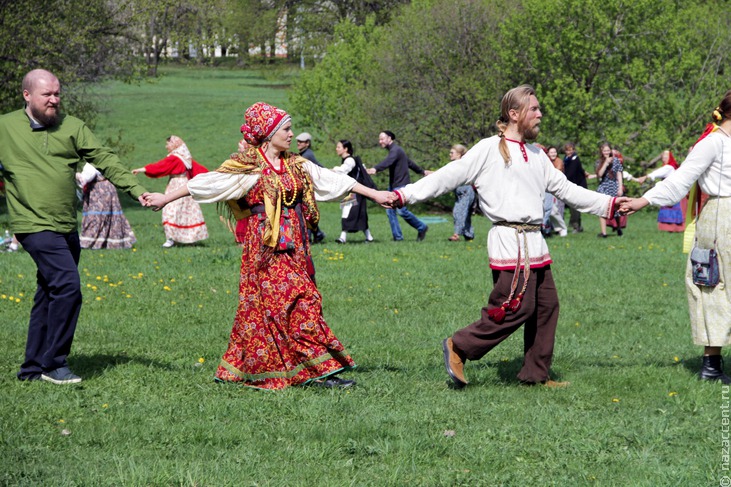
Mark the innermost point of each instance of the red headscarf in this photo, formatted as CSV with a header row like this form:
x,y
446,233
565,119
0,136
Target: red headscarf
x,y
261,120
671,160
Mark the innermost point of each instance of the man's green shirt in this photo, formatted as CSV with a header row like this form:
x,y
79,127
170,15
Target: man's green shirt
x,y
39,167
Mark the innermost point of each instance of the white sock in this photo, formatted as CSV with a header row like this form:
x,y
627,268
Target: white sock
x,y
368,235
343,236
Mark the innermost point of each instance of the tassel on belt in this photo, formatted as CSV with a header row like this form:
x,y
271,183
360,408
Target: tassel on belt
x,y
512,305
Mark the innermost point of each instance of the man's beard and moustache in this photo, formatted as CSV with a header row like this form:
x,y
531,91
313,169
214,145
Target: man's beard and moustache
x,y
47,119
529,133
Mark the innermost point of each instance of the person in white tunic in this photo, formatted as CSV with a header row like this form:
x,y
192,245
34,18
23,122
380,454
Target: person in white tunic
x,y
708,164
511,177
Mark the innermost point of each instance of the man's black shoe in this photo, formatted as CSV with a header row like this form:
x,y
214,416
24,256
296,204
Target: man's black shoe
x,y
422,234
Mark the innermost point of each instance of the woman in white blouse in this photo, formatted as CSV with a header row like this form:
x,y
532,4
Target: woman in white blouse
x,y
354,217
279,336
709,164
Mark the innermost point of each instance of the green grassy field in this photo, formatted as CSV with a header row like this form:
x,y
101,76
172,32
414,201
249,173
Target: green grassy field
x,y
156,321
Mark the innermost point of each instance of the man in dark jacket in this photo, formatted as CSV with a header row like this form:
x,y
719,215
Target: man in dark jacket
x,y
398,165
576,174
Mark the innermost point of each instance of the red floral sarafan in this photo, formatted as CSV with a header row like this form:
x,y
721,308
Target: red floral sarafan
x,y
279,337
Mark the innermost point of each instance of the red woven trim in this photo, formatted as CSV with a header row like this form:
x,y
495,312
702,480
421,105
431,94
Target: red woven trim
x,y
402,203
184,226
505,265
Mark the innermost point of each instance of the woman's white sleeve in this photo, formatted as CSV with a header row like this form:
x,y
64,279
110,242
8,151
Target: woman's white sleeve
x,y
213,186
329,185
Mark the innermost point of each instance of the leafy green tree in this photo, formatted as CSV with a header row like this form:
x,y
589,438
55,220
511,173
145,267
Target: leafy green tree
x,y
311,23
55,35
430,76
642,74
324,97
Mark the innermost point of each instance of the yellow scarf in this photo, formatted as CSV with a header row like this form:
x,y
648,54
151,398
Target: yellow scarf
x,y
253,162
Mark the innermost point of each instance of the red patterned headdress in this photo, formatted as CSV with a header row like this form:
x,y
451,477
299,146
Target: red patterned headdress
x,y
671,160
261,120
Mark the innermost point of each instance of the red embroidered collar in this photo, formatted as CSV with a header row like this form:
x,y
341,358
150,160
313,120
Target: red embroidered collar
x,y
522,148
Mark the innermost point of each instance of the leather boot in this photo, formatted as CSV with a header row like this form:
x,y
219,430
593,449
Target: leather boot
x,y
454,363
713,369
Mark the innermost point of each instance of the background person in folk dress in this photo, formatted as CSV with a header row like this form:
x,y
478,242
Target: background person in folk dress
x,y
183,220
354,217
609,173
103,224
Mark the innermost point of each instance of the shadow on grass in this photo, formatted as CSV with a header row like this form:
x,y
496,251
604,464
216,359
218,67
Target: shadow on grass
x,y
381,367
90,366
507,370
694,364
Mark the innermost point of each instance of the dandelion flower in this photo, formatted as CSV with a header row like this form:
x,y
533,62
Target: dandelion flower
x,y
201,360
614,399
672,393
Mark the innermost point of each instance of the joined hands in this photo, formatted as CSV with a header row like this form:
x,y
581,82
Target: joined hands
x,y
388,199
153,200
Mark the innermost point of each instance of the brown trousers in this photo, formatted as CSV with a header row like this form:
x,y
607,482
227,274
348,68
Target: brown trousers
x,y
538,313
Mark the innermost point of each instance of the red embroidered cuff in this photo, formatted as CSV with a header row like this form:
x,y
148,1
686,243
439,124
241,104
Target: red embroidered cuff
x,y
400,198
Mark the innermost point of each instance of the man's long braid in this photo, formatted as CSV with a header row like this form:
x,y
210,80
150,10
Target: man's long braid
x,y
503,146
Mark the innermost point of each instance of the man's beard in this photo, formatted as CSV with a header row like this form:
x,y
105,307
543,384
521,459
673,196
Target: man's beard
x,y
47,120
531,133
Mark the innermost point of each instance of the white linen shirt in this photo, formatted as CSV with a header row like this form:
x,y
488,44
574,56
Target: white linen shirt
x,y
511,194
703,164
214,186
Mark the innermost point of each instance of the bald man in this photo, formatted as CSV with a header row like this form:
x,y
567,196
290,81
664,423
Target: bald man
x,y
40,150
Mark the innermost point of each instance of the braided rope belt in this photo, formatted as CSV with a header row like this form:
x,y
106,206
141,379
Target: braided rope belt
x,y
512,304
521,227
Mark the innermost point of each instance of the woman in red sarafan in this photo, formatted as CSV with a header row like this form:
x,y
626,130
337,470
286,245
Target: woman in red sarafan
x,y
182,220
279,337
